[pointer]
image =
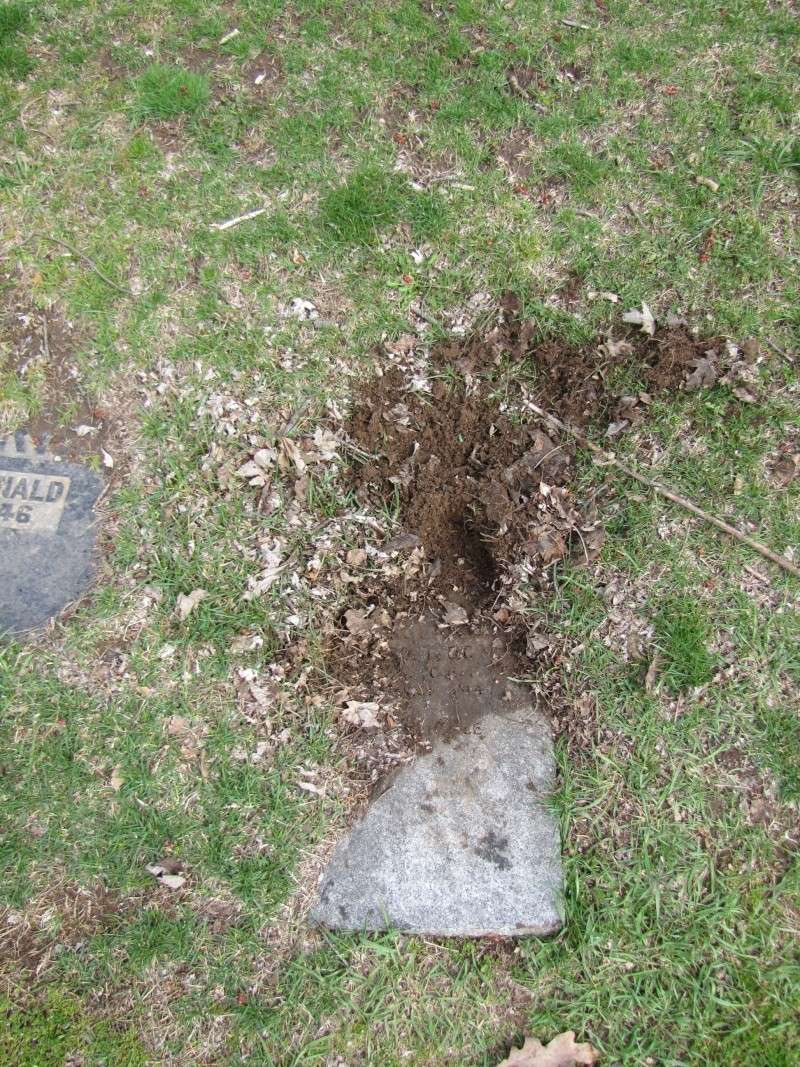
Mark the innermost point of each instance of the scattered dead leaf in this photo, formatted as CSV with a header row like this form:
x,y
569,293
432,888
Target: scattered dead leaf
x,y
562,1051
455,615
651,677
785,469
187,602
362,713
709,183
643,319
704,374
166,873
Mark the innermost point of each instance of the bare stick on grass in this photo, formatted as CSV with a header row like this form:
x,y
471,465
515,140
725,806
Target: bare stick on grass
x,y
91,264
662,490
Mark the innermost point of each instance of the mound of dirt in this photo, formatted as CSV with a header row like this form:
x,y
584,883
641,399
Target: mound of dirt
x,y
486,499
471,485
480,490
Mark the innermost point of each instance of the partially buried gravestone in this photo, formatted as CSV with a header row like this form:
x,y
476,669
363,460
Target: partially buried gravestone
x,y
47,529
463,842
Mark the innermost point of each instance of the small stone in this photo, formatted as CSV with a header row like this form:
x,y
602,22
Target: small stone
x,y
462,843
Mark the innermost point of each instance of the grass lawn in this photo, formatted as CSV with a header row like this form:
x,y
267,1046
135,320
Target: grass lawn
x,y
411,162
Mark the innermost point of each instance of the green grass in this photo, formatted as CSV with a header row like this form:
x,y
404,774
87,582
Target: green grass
x,y
682,636
164,92
373,200
375,146
47,1034
14,60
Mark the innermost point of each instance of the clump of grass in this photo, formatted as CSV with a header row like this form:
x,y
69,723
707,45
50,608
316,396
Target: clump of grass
x,y
771,155
163,92
47,1031
373,200
14,60
682,636
12,18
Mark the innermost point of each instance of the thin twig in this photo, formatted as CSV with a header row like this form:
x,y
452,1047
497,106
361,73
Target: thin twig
x,y
89,263
662,490
239,218
45,340
780,351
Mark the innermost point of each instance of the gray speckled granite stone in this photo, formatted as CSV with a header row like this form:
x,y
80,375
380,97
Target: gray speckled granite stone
x,y
46,534
463,842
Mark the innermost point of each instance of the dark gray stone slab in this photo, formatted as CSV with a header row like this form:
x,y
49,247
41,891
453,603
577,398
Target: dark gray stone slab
x,y
47,531
463,842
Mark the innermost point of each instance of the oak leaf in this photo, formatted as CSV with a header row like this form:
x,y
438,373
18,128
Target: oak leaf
x,y
562,1051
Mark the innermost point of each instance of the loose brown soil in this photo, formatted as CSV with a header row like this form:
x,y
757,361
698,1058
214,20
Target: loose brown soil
x,y
38,347
486,499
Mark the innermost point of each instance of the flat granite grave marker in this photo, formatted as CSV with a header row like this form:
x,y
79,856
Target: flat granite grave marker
x,y
47,531
463,842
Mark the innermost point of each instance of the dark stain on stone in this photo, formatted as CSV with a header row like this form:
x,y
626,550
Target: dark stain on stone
x,y
492,848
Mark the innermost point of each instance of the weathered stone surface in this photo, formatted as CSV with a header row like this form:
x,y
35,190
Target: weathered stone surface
x,y
463,842
47,528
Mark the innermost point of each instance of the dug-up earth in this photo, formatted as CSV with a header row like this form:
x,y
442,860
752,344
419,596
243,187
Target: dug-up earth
x,y
461,839
486,498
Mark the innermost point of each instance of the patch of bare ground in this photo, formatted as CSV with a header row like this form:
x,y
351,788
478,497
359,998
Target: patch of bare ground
x,y
39,351
402,118
110,64
62,917
514,157
170,135
264,72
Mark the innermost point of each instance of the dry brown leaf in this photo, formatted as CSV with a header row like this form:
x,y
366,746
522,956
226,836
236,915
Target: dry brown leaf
x,y
644,319
178,726
785,470
293,453
400,542
651,677
166,873
362,713
560,1052
703,376
188,602
246,642
357,622
116,781
309,787
617,348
